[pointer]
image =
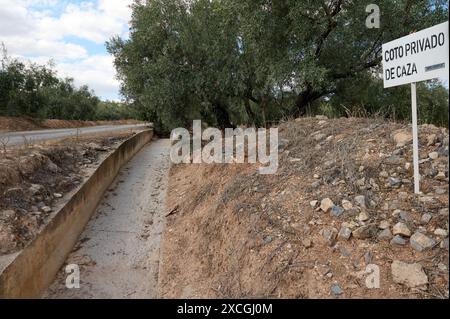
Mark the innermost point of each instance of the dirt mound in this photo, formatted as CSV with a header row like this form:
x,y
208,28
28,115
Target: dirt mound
x,y
10,124
33,180
341,201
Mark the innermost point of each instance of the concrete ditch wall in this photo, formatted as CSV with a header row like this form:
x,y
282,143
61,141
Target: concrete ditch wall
x,y
33,269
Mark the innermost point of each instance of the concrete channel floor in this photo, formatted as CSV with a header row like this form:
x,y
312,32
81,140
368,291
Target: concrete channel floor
x,y
118,252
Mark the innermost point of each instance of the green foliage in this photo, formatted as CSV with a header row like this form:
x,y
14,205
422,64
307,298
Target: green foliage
x,y
36,91
365,96
112,111
257,61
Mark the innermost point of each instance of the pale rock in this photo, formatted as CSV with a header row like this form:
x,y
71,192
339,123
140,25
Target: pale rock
x,y
360,182
385,234
360,201
365,232
441,232
353,225
401,229
318,136
422,229
345,233
384,174
440,176
307,243
402,137
363,216
420,242
329,234
347,204
442,267
396,213
411,275
426,199
433,155
46,209
393,182
346,224
384,224
431,139
326,204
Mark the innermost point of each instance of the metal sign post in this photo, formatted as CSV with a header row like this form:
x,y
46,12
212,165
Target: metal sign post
x,y
415,139
416,57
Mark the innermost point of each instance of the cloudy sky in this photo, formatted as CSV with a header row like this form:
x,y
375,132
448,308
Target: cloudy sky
x,y
71,32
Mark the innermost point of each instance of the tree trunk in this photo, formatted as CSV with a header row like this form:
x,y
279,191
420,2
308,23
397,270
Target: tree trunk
x,y
263,108
304,98
250,114
222,116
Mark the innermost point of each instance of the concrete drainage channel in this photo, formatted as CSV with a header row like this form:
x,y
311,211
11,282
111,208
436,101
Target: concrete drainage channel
x,y
127,222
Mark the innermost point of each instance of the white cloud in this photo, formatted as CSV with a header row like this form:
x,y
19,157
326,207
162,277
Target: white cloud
x,y
40,29
57,50
97,70
96,23
14,19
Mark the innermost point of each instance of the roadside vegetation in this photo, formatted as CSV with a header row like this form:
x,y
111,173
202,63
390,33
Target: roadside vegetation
x,y
33,90
232,62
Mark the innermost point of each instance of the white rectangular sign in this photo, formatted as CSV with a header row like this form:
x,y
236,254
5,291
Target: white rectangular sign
x,y
416,57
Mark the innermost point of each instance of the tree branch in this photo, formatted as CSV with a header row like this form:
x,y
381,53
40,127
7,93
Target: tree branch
x,y
331,25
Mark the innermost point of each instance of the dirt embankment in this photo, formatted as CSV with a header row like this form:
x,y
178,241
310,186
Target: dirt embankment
x,y
16,124
342,199
34,180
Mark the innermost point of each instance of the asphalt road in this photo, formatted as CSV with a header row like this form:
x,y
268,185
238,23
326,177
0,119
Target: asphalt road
x,y
18,138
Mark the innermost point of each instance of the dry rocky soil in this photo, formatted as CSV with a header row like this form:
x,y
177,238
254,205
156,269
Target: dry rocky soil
x,y
35,179
339,210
